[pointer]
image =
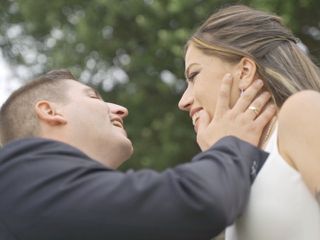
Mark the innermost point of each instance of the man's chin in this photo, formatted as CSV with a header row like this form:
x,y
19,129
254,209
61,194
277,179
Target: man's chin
x,y
119,155
131,150
127,149
122,130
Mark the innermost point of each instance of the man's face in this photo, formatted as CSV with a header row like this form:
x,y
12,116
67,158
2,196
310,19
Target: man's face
x,y
94,126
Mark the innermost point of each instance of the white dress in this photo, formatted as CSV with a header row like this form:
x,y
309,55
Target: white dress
x,y
280,206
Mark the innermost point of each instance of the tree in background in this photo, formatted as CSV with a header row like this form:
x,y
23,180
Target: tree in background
x,y
131,50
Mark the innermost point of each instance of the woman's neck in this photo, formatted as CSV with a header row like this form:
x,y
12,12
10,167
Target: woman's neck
x,y
267,132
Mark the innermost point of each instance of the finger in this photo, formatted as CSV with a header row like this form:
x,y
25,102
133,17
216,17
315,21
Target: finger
x,y
265,116
257,105
203,121
246,98
201,129
223,101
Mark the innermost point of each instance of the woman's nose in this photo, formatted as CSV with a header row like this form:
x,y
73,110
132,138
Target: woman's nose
x,y
185,101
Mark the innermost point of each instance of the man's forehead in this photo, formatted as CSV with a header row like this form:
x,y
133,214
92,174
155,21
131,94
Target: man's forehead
x,y
78,86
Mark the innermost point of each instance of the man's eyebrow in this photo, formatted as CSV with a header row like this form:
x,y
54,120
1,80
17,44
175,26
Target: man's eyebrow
x,y
89,89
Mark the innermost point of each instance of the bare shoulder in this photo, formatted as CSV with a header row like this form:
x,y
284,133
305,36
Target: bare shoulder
x,y
301,105
298,135
300,114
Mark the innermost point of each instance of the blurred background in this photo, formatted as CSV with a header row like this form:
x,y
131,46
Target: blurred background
x,y
132,51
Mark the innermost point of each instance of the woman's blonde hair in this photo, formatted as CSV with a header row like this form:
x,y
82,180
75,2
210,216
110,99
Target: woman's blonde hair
x,y
238,31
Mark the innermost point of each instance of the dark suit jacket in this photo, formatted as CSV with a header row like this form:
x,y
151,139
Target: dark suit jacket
x,y
53,191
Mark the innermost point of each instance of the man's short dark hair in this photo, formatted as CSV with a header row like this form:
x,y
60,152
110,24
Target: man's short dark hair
x,y
17,116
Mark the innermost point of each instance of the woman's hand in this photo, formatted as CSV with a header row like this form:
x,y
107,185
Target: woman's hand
x,y
245,120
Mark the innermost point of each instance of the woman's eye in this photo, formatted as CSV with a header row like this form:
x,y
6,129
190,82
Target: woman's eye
x,y
192,76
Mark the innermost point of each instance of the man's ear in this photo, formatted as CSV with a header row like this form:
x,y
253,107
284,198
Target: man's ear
x,y
247,72
47,112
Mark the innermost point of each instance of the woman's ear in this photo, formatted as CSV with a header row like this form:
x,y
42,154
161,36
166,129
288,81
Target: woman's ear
x,y
46,111
247,72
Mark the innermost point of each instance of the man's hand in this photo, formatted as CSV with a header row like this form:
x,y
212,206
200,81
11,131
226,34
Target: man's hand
x,y
245,120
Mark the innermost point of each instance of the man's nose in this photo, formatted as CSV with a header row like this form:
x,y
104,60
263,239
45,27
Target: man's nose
x,y
118,110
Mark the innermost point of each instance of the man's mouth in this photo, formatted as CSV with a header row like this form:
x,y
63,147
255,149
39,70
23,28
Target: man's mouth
x,y
117,123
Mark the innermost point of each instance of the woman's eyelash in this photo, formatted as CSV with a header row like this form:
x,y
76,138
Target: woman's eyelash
x,y
192,76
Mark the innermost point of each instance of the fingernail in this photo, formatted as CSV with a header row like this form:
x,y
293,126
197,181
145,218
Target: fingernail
x,y
273,107
228,76
259,83
266,94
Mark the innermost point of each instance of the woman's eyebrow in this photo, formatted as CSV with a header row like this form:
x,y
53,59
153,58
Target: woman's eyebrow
x,y
186,73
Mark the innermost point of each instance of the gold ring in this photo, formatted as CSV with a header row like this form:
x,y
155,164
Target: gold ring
x,y
254,109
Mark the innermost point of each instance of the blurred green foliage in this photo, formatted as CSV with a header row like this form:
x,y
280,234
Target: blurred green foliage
x,y
131,50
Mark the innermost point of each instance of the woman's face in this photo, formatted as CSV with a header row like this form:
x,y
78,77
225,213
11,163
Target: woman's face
x,y
204,74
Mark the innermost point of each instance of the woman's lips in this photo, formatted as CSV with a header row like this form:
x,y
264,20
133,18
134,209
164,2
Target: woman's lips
x,y
195,118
